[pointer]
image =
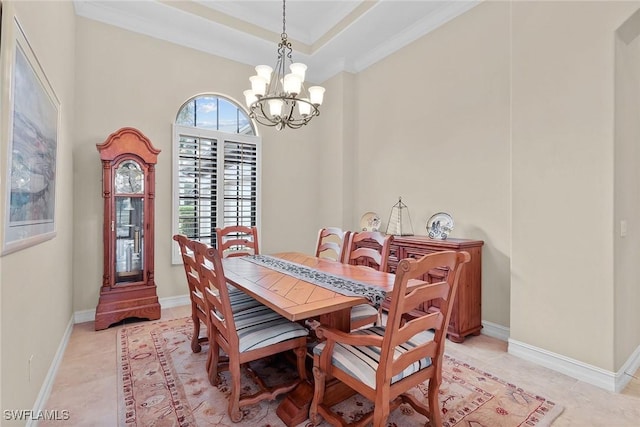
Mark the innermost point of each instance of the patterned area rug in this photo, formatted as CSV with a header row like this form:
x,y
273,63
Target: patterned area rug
x,y
162,383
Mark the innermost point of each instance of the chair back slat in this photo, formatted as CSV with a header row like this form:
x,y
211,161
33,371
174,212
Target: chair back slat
x,y
237,240
192,271
331,243
216,294
426,292
376,257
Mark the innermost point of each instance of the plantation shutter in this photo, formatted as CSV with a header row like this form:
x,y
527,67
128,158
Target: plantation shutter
x,y
240,184
216,182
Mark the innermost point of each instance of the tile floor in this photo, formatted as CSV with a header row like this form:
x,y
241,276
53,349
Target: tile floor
x,y
86,381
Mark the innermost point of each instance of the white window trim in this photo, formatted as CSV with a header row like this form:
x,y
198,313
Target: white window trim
x,y
221,137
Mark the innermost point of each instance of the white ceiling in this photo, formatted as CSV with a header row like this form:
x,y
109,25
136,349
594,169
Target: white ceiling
x,y
329,36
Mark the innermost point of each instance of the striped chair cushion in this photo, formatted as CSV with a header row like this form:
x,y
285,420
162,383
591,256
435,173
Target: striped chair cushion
x,y
363,311
361,362
241,301
260,326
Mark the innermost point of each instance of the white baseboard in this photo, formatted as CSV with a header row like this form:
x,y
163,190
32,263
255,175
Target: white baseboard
x,y
625,373
494,330
170,302
47,384
84,316
608,380
167,302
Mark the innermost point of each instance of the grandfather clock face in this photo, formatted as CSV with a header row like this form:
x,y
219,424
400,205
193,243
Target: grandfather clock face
x,y
129,221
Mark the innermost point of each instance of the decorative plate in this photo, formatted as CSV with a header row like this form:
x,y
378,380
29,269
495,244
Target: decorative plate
x,y
370,222
439,226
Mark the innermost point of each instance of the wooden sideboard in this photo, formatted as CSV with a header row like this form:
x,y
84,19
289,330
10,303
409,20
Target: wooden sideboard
x,y
466,316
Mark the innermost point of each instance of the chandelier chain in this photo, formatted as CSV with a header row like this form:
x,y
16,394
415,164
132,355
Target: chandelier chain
x,y
284,21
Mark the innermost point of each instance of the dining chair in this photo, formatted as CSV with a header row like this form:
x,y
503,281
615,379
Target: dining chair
x,y
245,336
196,295
237,240
331,243
239,300
368,249
382,363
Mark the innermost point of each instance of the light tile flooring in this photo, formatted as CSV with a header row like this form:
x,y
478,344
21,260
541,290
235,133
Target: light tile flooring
x,y
86,381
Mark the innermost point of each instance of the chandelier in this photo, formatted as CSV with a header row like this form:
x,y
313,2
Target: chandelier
x,y
281,99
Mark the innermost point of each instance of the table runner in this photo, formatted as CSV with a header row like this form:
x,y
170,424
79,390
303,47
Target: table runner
x,y
326,280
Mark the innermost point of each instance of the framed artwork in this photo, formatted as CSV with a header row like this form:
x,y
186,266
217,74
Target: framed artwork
x,y
31,111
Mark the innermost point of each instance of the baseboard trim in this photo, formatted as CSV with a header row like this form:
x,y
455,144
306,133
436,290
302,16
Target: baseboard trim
x,y
608,380
494,330
170,302
625,374
47,384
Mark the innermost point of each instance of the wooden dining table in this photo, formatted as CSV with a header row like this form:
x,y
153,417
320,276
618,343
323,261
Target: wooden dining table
x,y
297,299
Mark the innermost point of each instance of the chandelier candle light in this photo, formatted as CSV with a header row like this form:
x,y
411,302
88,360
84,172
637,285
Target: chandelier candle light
x,y
277,96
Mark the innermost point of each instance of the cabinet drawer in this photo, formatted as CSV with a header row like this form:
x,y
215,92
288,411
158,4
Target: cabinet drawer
x,y
417,253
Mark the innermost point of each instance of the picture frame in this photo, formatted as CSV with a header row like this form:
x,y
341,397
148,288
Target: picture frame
x,y
30,115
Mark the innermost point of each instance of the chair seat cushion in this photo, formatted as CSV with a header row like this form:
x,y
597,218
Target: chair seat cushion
x,y
260,326
363,311
240,300
361,362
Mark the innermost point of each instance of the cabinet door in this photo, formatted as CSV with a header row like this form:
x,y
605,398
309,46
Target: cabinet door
x,y
128,220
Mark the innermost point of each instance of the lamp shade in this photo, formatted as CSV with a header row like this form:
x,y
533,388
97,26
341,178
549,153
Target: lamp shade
x,y
249,97
299,69
275,107
258,85
264,71
304,107
292,84
316,94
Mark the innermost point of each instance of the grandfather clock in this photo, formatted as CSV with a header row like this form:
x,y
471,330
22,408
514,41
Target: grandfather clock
x,y
128,188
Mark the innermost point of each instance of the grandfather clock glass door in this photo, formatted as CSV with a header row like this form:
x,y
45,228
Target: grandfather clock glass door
x,y
128,191
129,221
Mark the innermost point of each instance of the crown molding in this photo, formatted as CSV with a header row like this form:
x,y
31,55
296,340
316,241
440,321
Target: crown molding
x,y
377,31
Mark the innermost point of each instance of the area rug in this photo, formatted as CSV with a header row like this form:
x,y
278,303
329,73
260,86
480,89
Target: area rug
x,y
163,383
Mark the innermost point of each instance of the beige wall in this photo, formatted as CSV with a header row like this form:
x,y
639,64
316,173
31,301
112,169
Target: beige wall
x,y
127,79
562,290
626,194
37,282
433,127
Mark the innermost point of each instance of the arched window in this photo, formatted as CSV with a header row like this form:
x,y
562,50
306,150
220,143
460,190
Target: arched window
x,y
216,168
215,112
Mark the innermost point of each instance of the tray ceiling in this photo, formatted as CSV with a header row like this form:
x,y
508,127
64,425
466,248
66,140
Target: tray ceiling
x,y
329,36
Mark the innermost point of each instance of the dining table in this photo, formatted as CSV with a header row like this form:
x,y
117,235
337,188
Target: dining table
x,y
303,293
299,287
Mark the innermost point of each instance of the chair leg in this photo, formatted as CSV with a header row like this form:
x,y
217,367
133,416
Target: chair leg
x,y
380,414
213,360
318,395
301,356
234,398
434,404
195,339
